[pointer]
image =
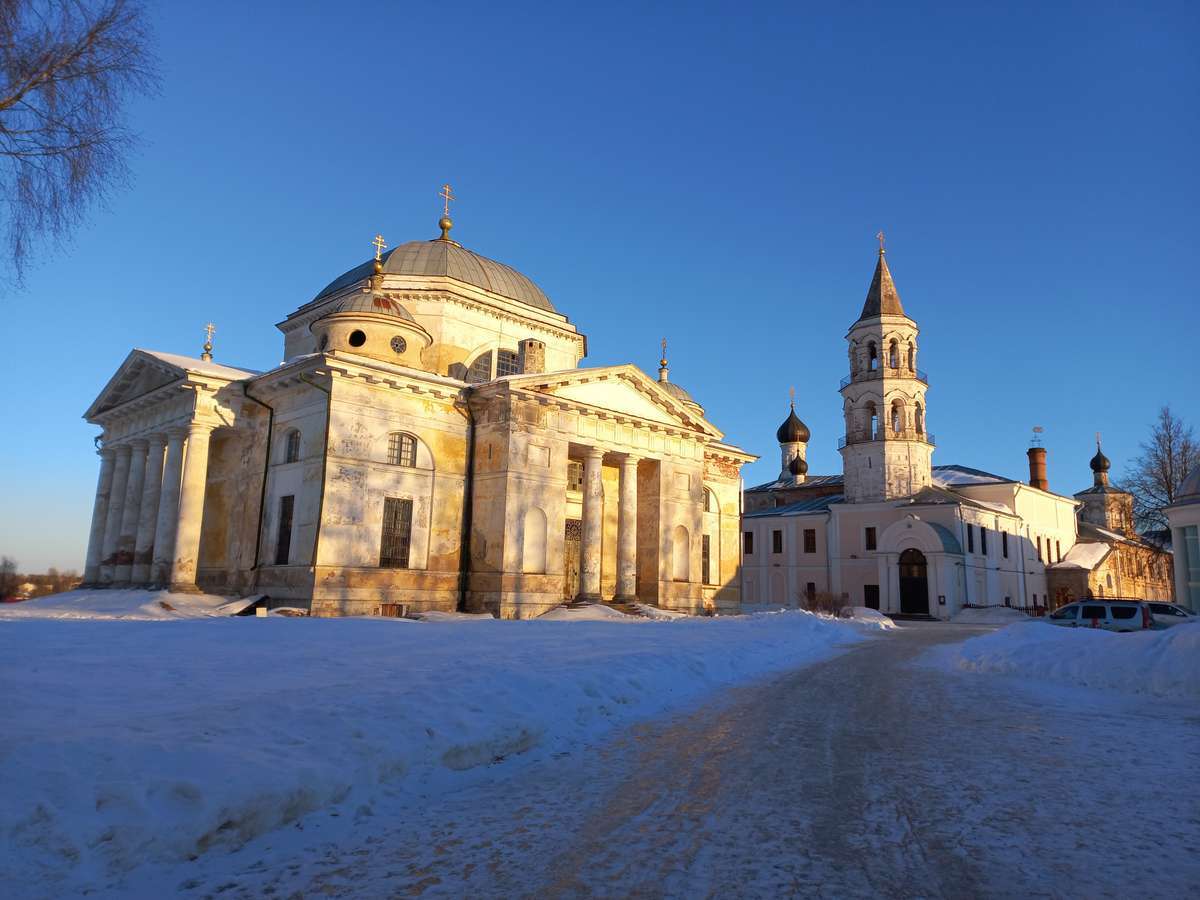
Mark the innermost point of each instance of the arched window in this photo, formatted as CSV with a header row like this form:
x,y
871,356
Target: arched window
x,y
710,501
872,356
481,369
507,363
911,358
680,554
854,357
920,420
533,542
402,449
897,416
291,446
872,421
894,354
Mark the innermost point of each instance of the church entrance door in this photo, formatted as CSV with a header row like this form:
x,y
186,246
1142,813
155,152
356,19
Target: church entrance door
x,y
914,583
572,540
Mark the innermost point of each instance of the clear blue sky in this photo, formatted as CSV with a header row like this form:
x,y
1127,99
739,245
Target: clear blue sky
x,y
714,174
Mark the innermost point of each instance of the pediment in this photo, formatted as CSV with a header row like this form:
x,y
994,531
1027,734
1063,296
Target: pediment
x,y
621,390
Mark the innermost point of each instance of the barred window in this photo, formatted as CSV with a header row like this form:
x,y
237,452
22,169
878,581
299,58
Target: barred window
x,y
283,537
291,448
706,558
507,363
810,540
481,369
402,449
574,476
397,533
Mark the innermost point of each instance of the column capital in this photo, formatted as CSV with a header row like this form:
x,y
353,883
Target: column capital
x,y
159,438
196,427
177,433
139,443
594,453
122,449
630,459
106,452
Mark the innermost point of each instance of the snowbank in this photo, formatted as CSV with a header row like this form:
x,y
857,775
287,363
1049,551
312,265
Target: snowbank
x,y
867,616
131,604
1164,663
126,743
990,615
596,612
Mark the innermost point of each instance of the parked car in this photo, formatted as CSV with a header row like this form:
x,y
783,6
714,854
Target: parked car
x,y
1111,615
1168,614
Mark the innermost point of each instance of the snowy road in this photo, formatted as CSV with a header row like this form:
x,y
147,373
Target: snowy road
x,y
865,775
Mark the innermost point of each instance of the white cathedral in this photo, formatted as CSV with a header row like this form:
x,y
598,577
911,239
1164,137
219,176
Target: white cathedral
x,y
429,443
895,533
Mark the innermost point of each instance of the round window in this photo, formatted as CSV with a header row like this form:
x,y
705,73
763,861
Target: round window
x,y
399,344
357,338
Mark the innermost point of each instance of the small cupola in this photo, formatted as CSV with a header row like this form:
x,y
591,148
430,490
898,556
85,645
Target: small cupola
x,y
1100,466
372,324
792,431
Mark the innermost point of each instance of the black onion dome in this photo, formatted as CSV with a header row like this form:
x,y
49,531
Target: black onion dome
x,y
1100,462
792,431
798,466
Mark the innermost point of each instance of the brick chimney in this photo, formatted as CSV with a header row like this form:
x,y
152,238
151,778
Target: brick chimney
x,y
1037,468
531,356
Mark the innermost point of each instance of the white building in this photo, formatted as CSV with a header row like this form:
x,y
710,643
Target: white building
x,y
894,532
1184,517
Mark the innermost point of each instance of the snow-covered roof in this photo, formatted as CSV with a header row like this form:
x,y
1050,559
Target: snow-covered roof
x,y
201,366
809,481
799,508
1083,556
960,476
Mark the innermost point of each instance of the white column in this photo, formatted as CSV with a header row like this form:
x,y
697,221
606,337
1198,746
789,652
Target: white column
x,y
627,531
168,509
593,526
191,509
91,567
130,514
143,547
112,520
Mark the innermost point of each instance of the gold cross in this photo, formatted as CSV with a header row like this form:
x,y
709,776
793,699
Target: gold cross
x,y
446,196
380,246
663,361
879,237
792,394
208,331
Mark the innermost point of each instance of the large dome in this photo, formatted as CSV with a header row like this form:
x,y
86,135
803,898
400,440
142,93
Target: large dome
x,y
447,259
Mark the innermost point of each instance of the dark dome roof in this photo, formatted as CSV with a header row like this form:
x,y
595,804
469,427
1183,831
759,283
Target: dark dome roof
x,y
792,431
798,466
1100,462
447,259
1191,484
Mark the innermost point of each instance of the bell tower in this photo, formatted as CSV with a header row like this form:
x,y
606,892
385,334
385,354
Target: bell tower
x,y
887,451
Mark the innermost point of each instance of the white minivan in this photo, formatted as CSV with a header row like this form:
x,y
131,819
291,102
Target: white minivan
x,y
1111,615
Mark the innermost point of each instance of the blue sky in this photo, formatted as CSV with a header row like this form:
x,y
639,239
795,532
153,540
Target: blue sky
x,y
711,173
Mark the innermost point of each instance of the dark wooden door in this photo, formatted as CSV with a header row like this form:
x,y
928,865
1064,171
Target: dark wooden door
x,y
914,583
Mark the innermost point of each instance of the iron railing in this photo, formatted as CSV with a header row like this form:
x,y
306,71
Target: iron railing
x,y
886,434
889,371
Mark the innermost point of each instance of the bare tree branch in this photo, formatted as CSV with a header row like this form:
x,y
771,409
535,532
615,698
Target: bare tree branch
x,y
66,70
1171,452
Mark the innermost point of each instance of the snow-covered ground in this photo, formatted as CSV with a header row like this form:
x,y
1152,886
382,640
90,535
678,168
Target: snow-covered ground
x,y
131,604
131,742
990,615
1163,663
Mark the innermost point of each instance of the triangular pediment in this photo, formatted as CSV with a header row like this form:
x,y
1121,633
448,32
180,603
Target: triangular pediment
x,y
621,390
137,376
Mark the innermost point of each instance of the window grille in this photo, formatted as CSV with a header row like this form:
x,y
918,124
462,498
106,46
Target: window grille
x,y
507,363
776,541
291,452
575,476
810,540
397,533
402,449
481,369
706,559
869,539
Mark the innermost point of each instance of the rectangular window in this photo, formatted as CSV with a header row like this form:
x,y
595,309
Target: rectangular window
x,y
810,540
970,538
869,539
748,543
1039,546
397,533
871,596
810,590
1057,549
283,538
983,540
705,558
1004,543
776,541
575,476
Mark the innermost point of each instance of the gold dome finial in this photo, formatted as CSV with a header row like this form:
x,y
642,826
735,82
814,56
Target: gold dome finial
x,y
662,363
208,333
445,222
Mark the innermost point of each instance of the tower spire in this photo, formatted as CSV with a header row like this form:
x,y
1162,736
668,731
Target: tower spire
x,y
882,297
